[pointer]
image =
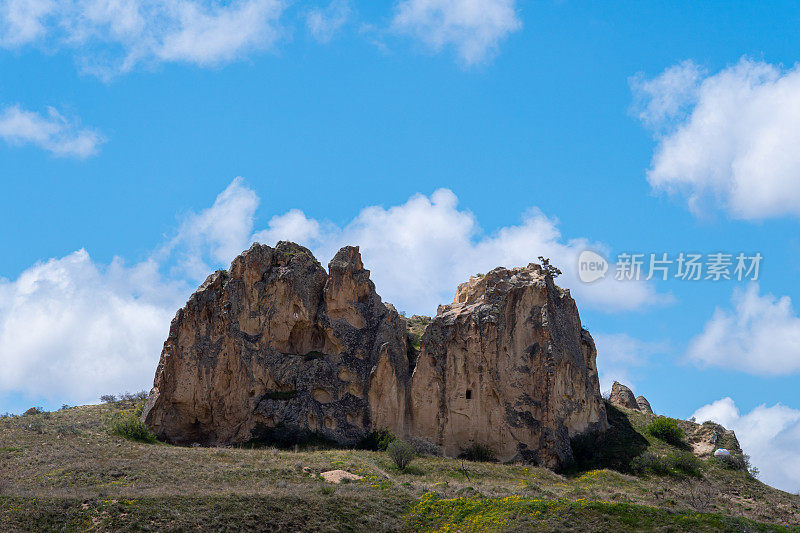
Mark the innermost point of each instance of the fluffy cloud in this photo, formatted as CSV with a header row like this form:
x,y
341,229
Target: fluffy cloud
x,y
619,356
726,140
474,28
770,435
72,329
421,250
52,132
761,335
202,32
214,236
324,23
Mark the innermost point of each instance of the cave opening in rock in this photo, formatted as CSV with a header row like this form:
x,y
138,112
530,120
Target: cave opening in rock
x,y
469,394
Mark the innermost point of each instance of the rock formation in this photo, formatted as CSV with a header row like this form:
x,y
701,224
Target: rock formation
x,y
507,365
643,405
276,347
709,436
622,396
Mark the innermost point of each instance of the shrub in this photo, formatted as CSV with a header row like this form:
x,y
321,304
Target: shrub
x,y
401,453
34,411
684,463
666,429
132,428
108,398
737,461
425,447
377,440
649,463
280,395
131,397
478,452
677,464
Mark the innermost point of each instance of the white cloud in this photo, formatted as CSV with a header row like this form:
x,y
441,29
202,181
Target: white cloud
x,y
113,36
72,329
214,236
324,23
761,335
421,250
474,28
22,21
52,132
770,435
619,356
726,140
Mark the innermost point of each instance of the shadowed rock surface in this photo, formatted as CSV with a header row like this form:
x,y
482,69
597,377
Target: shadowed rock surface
x,y
507,365
276,348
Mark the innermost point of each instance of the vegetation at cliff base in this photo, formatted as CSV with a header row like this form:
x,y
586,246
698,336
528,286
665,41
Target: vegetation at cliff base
x,y
69,471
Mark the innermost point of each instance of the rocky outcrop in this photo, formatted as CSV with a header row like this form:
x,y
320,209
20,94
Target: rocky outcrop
x,y
643,405
710,436
622,396
507,365
278,348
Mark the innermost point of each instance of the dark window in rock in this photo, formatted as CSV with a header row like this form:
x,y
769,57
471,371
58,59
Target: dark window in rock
x,y
469,394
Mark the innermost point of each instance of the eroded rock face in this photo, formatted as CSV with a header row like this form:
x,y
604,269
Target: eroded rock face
x,y
622,396
507,365
277,346
643,405
709,436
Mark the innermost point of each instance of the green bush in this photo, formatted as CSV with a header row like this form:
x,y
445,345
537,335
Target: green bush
x,y
677,464
684,463
131,427
478,452
377,440
734,461
666,429
649,463
402,453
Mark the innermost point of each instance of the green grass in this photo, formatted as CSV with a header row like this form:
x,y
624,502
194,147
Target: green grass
x,y
516,513
281,395
69,473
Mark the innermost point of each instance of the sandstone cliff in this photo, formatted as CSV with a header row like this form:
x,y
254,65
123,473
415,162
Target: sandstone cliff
x,y
276,347
507,365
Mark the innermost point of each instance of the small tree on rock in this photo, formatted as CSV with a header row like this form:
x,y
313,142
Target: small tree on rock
x,y
549,269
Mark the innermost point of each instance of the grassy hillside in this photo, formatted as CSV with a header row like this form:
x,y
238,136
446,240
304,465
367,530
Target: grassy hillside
x,y
65,471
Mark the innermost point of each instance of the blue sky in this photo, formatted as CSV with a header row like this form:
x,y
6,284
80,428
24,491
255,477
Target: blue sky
x,y
659,127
